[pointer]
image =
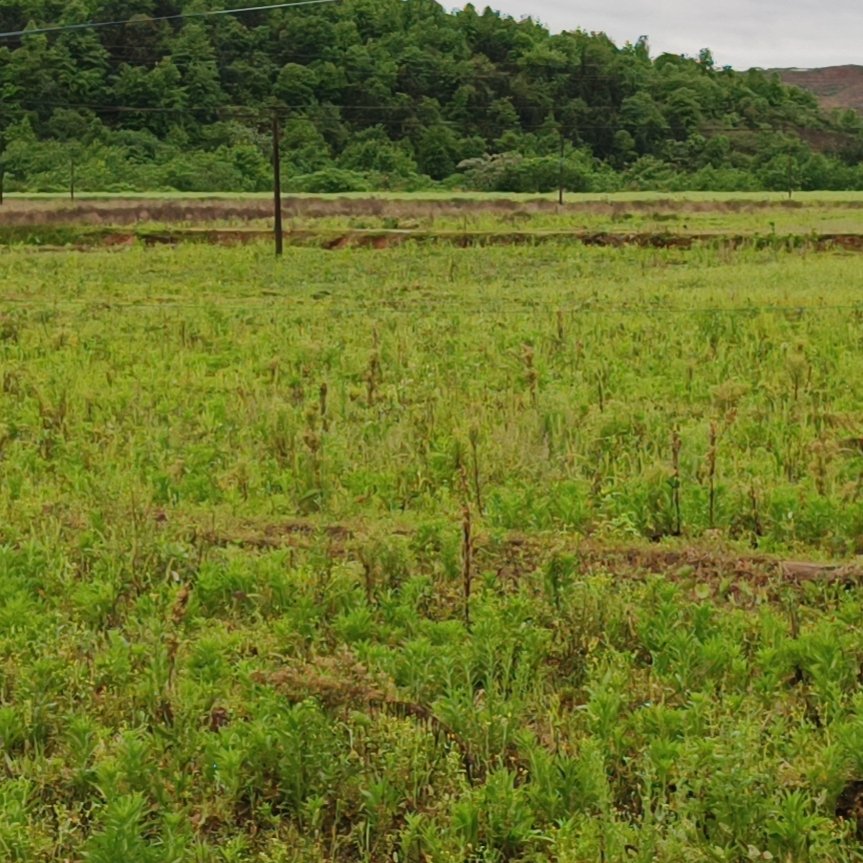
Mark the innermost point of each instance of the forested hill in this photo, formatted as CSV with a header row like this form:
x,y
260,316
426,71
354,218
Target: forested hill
x,y
390,94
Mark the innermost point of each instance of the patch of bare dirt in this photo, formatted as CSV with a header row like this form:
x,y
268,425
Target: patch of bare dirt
x,y
849,806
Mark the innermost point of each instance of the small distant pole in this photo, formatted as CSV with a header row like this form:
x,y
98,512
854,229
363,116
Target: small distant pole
x,y
2,181
790,177
277,186
72,178
560,171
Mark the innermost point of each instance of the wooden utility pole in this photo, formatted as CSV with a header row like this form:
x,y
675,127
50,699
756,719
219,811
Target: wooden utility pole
x,y
277,185
560,171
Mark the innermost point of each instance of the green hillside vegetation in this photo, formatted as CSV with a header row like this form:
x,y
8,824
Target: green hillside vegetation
x,y
391,94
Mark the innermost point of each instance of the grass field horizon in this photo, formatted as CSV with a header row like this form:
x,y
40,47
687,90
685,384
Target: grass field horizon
x,y
321,219
62,196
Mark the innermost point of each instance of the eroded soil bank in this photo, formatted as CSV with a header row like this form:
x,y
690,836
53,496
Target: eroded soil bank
x,y
53,238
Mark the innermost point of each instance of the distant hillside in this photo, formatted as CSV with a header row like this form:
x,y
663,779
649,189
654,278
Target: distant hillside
x,y
835,86
390,94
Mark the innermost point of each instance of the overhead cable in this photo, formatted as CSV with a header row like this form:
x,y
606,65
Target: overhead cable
x,y
93,25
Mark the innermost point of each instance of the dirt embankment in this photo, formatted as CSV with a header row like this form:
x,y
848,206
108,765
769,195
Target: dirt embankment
x,y
518,554
27,213
57,239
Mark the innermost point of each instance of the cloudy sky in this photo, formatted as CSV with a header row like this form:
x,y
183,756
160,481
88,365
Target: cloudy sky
x,y
741,33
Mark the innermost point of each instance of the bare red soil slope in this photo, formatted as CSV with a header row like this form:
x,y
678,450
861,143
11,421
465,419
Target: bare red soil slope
x,y
835,86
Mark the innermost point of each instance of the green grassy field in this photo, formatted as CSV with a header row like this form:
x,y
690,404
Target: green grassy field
x,y
358,555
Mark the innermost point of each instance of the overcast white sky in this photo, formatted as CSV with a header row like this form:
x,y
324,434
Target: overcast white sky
x,y
741,33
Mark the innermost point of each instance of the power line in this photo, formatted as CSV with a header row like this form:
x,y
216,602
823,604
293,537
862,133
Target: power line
x,y
304,111
93,25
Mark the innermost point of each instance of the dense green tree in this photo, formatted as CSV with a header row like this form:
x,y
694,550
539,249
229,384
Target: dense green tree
x,y
295,85
372,151
306,149
643,119
438,151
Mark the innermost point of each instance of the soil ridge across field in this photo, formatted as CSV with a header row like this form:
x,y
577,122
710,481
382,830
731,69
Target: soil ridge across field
x,y
521,553
51,239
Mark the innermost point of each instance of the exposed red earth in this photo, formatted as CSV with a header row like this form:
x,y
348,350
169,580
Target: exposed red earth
x,y
835,86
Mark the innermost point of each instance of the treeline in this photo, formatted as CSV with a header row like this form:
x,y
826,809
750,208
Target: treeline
x,y
390,94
